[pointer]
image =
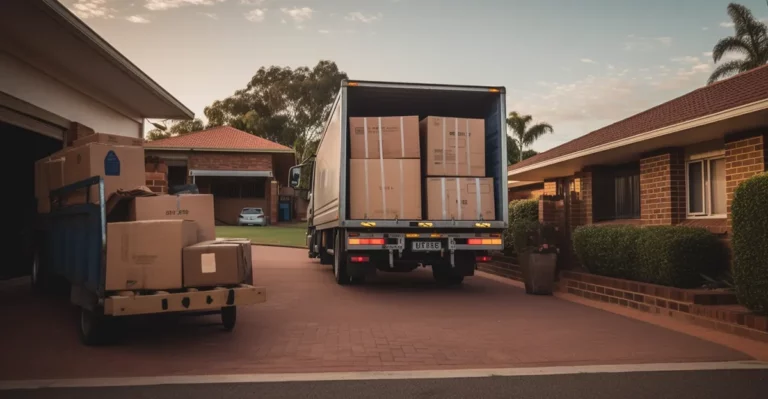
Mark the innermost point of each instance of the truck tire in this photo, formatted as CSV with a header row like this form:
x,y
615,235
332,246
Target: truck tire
x,y
37,276
340,261
229,317
94,328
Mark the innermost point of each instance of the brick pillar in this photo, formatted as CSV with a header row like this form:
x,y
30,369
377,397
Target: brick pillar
x,y
662,188
157,182
273,200
77,131
550,188
744,158
581,200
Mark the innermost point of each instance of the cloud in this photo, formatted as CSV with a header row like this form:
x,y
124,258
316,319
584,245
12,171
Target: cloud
x,y
610,66
137,19
298,15
588,61
210,15
704,28
324,31
727,24
687,60
360,17
251,2
159,5
93,9
256,15
643,43
707,54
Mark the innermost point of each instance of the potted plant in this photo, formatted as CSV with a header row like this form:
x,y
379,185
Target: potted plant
x,y
537,249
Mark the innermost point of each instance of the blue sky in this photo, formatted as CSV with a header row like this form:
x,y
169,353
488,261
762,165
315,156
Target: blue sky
x,y
577,65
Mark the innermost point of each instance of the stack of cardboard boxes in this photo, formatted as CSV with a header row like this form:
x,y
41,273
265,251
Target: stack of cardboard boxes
x,y
388,155
166,242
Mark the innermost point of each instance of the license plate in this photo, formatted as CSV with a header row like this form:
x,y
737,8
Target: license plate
x,y
427,245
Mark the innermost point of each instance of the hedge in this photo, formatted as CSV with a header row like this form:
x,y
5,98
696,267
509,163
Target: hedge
x,y
675,256
750,242
520,211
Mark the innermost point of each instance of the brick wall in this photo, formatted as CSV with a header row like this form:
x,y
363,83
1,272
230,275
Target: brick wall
x,y
157,182
744,158
662,188
550,188
581,200
230,161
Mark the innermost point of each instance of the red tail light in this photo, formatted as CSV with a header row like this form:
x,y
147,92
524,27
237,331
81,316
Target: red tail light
x,y
483,258
359,259
366,241
475,241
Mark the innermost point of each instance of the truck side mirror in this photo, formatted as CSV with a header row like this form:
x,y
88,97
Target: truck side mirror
x,y
294,175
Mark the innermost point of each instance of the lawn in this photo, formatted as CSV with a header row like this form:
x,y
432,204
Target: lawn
x,y
291,235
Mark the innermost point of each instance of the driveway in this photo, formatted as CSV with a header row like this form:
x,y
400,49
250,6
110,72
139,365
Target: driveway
x,y
310,324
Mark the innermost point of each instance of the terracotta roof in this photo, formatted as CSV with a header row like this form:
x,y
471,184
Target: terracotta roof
x,y
225,138
742,89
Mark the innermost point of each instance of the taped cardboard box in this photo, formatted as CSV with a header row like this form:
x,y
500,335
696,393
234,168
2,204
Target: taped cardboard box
x,y
460,198
453,146
147,255
49,175
385,189
214,263
122,167
104,138
388,137
194,207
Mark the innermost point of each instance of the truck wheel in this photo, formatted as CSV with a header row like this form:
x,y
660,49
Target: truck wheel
x,y
229,317
340,262
36,274
94,328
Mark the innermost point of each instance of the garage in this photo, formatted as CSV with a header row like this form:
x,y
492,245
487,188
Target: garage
x,y
59,78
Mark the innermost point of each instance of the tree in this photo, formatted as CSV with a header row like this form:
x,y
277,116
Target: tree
x,y
750,40
522,135
177,129
284,105
513,152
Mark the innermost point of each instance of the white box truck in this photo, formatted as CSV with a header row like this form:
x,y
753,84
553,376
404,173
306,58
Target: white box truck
x,y
360,246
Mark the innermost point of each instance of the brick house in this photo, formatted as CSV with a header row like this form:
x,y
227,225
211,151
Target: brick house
x,y
675,164
239,169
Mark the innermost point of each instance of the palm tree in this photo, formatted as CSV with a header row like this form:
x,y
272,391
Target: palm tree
x,y
522,135
750,40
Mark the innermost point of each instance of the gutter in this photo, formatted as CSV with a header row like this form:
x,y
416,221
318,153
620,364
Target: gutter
x,y
664,131
114,55
198,149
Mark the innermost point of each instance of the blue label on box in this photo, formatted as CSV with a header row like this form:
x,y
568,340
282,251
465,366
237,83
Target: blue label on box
x,y
111,164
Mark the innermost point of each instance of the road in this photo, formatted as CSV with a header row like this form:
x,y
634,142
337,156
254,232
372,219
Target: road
x,y
741,384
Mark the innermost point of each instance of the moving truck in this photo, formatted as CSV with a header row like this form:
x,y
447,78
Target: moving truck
x,y
408,175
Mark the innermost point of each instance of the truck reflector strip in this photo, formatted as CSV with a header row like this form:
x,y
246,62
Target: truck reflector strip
x,y
484,241
366,241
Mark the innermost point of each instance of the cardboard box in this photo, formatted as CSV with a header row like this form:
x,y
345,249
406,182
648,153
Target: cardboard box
x,y
49,175
147,255
398,196
399,137
105,138
453,146
214,263
195,207
460,198
122,167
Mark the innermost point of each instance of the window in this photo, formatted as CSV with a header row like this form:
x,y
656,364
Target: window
x,y
627,196
239,187
705,187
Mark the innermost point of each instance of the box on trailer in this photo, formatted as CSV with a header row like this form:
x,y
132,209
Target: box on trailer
x,y
147,255
385,189
122,167
453,146
396,136
460,198
194,207
214,263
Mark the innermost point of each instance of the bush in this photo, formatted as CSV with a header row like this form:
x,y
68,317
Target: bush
x,y
674,256
520,213
750,242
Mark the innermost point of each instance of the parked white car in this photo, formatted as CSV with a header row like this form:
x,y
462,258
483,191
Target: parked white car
x,y
252,217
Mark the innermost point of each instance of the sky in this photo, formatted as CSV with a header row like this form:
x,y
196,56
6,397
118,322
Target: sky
x,y
578,66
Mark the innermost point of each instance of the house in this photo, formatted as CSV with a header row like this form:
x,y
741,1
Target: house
x,y
239,169
675,164
58,76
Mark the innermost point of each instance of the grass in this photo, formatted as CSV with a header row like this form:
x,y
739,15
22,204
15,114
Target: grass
x,y
290,235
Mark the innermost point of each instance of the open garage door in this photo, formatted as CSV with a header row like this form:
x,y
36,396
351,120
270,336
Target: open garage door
x,y
22,148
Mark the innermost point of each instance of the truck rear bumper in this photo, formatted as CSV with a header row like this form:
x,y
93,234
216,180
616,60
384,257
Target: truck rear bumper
x,y
129,303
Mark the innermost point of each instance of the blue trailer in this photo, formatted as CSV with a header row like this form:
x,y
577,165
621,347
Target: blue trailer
x,y
70,249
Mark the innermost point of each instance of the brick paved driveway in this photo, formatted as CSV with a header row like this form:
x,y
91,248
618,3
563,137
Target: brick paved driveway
x,y
310,324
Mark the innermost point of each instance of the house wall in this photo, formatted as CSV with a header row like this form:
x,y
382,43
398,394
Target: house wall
x,y
744,157
662,187
230,161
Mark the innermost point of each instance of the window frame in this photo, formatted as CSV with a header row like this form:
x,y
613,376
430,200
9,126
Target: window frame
x,y
706,188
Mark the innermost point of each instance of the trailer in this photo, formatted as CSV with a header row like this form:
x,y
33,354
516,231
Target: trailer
x,y
359,248
70,251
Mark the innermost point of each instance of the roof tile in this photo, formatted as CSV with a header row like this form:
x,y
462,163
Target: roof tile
x,y
219,138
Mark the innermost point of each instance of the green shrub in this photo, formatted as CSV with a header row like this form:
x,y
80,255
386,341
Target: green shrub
x,y
520,212
608,250
674,256
750,242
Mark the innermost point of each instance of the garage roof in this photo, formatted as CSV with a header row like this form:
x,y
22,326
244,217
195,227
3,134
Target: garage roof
x,y
220,138
740,90
47,35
